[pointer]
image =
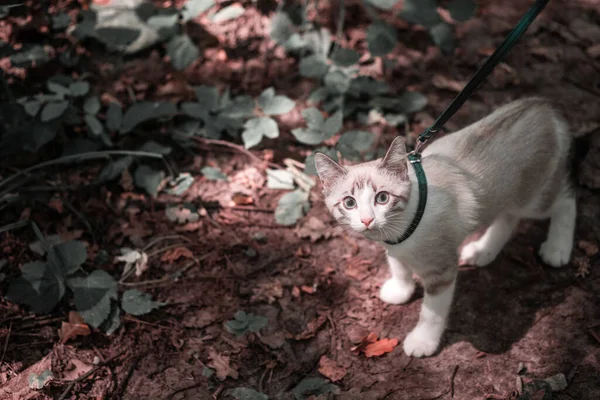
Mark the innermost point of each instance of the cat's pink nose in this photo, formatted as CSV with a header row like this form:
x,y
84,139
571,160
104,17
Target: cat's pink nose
x,y
367,221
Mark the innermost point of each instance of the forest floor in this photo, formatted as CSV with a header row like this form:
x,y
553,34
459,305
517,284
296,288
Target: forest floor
x,y
321,296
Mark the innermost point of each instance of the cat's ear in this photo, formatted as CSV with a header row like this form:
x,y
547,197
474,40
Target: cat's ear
x,y
329,171
395,159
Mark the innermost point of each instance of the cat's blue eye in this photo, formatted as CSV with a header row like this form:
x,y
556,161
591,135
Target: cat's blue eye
x,y
349,202
382,198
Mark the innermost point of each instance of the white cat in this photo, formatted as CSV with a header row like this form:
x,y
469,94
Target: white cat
x,y
510,165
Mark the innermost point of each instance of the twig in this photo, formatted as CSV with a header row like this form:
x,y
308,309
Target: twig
x,y
77,158
230,145
164,278
454,371
253,209
6,342
92,371
341,18
161,238
14,225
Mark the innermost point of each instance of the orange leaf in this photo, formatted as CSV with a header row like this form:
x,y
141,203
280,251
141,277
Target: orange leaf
x,y
380,347
175,254
367,340
75,327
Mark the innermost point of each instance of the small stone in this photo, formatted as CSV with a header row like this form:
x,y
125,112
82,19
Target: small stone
x,y
557,382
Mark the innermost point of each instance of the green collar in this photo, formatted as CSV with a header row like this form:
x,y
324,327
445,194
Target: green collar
x,y
415,160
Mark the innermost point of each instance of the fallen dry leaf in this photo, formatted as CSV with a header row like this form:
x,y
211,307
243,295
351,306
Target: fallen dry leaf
x,y
75,327
308,289
241,199
267,291
372,347
330,369
380,347
312,327
590,248
583,266
313,229
175,254
367,340
221,365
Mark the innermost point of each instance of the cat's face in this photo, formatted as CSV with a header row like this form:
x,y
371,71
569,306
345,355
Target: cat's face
x,y
368,198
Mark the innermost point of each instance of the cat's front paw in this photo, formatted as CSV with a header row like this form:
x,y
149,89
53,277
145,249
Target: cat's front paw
x,y
555,255
476,254
395,291
421,342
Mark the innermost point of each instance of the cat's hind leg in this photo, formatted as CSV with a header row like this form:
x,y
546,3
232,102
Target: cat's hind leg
x,y
400,287
556,250
483,251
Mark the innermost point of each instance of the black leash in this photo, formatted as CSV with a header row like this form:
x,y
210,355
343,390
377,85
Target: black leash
x,y
480,75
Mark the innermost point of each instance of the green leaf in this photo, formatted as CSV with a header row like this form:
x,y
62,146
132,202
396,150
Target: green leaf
x,y
114,116
113,321
314,387
381,38
282,27
244,323
256,128
314,66
117,38
28,56
318,129
32,107
383,4
410,102
54,110
443,37
182,51
309,163
115,168
37,382
152,147
420,12
291,207
181,184
92,105
80,88
213,174
243,393
164,23
148,179
461,10
50,240
40,286
68,257
353,143
145,111
280,179
93,124
230,12
345,57
135,302
193,8
58,88
207,372
274,105
208,97
239,107
60,21
93,295
195,110
337,81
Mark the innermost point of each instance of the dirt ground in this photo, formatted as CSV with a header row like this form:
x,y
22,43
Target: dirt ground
x,y
321,297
